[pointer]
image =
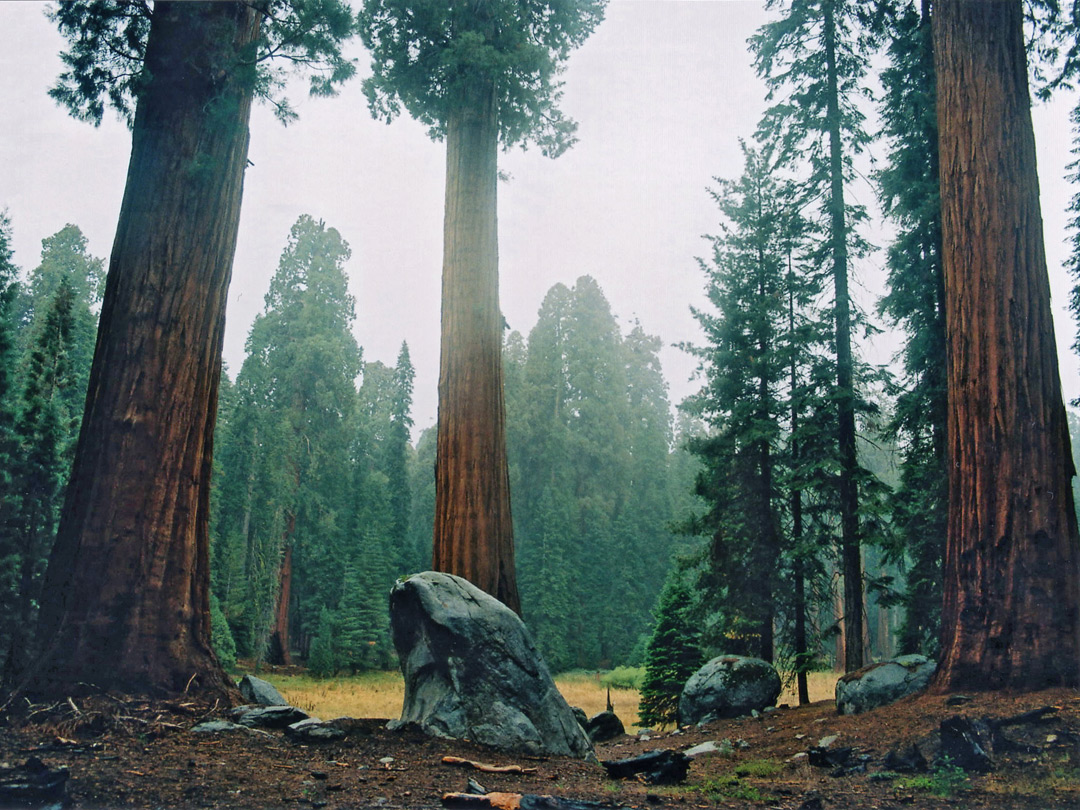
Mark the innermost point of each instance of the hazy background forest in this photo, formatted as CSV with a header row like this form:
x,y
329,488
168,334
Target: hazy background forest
x,y
630,502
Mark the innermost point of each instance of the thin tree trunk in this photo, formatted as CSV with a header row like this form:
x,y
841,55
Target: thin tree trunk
x,y
850,552
473,535
126,598
799,567
1012,581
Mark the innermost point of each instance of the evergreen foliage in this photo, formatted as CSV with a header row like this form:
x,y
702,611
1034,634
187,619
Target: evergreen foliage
x,y
589,436
672,656
425,54
104,63
909,191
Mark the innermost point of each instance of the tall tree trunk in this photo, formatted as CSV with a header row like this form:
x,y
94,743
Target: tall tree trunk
x,y
280,651
474,536
126,598
802,658
850,552
1012,563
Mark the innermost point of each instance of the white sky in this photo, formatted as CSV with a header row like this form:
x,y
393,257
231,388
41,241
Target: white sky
x,y
662,93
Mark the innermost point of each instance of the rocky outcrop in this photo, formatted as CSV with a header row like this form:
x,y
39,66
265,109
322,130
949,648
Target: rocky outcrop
x,y
883,683
728,686
473,672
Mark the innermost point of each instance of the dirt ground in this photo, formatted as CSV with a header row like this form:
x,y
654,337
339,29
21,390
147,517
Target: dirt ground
x,y
129,753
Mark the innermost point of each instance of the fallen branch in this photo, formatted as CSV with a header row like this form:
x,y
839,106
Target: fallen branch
x,y
480,766
518,801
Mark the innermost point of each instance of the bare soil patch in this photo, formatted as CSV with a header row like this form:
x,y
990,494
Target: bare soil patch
x,y
123,752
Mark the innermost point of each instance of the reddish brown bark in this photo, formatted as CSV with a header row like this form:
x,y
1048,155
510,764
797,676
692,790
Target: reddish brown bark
x,y
126,597
280,646
474,536
1012,581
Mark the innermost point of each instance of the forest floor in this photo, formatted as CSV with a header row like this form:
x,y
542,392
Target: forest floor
x,y
129,753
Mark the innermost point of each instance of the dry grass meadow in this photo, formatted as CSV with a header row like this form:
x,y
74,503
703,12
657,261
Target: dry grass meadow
x,y
379,694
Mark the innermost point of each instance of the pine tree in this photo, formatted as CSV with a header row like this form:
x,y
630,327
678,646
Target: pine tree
x,y
672,654
814,60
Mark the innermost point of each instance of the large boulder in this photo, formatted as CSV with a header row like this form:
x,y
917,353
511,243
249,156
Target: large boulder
x,y
883,683
472,671
729,686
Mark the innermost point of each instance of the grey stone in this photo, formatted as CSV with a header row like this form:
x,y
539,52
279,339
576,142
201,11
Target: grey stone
x,y
825,742
883,683
216,727
260,692
473,672
580,716
721,747
314,730
728,686
604,726
271,716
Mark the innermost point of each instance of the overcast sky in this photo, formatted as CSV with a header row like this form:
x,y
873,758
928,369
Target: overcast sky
x,y
662,93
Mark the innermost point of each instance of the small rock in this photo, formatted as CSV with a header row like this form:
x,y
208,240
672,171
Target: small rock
x,y
710,747
313,730
260,692
271,716
216,727
321,775
958,700
829,757
800,736
386,760
580,716
475,788
742,745
770,709
755,713
909,760
1051,738
798,757
825,742
604,726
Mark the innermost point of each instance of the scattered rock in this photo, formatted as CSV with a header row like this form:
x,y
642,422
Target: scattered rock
x,y
314,730
958,700
216,727
964,745
661,767
883,683
722,747
825,742
728,686
473,672
260,692
604,726
269,716
909,760
475,788
32,783
829,757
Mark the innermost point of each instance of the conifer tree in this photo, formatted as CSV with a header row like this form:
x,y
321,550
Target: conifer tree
x,y
908,188
671,656
814,60
477,74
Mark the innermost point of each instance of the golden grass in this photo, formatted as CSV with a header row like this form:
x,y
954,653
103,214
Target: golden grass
x,y
380,694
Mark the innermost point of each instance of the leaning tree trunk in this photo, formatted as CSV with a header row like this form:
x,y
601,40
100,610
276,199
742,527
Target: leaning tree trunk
x,y
474,536
850,550
126,598
1012,563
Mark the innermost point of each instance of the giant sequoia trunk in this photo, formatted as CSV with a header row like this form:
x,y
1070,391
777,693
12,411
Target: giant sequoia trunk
x,y
126,598
473,536
850,541
1012,563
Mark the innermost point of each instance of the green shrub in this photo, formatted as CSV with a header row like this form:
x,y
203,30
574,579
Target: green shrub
x,y
221,637
624,678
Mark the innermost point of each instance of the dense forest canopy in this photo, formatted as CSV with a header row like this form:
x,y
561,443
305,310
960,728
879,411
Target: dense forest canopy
x,y
791,503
